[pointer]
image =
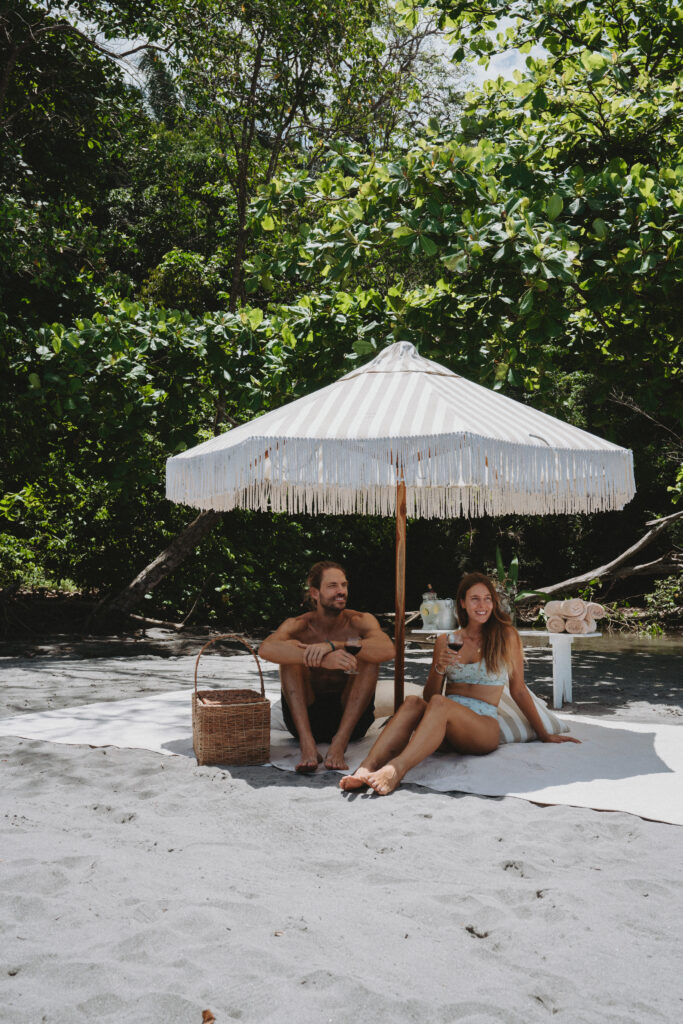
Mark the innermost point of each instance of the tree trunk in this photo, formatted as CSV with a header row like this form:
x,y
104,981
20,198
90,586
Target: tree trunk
x,y
162,566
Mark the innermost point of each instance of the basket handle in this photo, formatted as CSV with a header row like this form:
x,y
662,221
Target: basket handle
x,y
231,636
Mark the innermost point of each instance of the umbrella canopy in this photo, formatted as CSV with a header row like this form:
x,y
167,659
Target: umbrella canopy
x,y
403,435
461,449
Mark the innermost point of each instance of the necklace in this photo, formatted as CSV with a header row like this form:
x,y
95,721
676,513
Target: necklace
x,y
476,643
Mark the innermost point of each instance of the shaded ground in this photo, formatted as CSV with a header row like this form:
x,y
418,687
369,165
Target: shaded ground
x,y
637,679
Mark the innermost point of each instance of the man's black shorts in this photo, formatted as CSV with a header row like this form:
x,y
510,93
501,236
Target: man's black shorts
x,y
325,714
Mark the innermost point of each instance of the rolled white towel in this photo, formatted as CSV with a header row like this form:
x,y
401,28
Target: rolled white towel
x,y
555,624
578,626
575,608
552,608
596,611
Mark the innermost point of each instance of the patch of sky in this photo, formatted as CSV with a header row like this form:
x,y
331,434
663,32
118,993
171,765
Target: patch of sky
x,y
504,65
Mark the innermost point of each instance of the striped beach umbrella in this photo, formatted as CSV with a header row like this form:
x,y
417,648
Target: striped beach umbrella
x,y
404,436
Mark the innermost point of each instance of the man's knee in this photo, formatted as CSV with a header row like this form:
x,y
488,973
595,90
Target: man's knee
x,y
294,674
296,679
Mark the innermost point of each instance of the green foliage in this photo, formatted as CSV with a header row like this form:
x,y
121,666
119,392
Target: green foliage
x,y
170,197
617,35
51,132
160,89
183,280
666,598
312,169
508,282
49,255
108,399
508,582
590,590
63,113
677,490
537,250
508,578
22,562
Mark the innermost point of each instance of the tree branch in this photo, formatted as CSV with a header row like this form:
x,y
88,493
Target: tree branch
x,y
614,568
660,567
67,27
36,31
619,398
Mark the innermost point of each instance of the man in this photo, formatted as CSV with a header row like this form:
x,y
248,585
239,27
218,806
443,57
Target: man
x,y
327,693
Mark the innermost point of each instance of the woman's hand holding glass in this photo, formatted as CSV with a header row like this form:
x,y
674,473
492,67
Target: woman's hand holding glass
x,y
450,654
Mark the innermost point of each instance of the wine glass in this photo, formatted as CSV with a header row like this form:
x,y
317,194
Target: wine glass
x,y
352,644
455,640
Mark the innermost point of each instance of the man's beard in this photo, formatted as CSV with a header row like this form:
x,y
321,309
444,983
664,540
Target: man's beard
x,y
331,608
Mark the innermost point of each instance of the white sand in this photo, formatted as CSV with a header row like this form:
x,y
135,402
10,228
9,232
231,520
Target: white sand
x,y
138,887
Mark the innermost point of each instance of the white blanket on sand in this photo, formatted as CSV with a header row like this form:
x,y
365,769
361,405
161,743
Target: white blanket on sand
x,y
619,766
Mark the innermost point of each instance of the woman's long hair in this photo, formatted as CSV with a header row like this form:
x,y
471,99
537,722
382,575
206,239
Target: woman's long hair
x,y
500,640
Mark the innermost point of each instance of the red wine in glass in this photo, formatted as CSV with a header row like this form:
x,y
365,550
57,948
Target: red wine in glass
x,y
352,646
455,642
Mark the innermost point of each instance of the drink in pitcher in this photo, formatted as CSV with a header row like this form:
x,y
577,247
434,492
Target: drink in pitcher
x,y
429,608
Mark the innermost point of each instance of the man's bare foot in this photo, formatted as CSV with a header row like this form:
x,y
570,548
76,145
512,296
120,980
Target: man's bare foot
x,y
384,780
336,757
307,765
358,780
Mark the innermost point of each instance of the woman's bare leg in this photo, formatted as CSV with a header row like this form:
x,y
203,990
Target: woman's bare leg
x,y
390,742
466,731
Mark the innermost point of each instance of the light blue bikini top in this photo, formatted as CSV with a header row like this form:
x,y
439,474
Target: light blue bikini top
x,y
476,672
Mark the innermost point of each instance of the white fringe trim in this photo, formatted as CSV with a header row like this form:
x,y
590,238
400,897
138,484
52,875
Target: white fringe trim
x,y
445,477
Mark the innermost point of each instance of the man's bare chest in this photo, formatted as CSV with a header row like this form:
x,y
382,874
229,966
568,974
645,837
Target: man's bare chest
x,y
340,628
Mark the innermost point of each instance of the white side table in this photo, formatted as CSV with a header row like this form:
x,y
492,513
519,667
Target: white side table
x,y
561,644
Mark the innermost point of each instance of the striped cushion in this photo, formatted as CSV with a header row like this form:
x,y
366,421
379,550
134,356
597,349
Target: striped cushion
x,y
515,727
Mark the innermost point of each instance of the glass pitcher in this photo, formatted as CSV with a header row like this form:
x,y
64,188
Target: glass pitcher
x,y
430,608
445,617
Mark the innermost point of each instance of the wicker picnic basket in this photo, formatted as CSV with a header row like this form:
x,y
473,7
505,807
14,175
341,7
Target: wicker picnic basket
x,y
230,726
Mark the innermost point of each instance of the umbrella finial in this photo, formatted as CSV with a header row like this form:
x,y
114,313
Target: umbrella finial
x,y
405,349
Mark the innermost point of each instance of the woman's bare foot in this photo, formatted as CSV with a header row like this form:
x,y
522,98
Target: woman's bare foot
x,y
384,780
358,780
307,765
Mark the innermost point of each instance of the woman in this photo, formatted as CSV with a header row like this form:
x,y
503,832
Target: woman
x,y
466,718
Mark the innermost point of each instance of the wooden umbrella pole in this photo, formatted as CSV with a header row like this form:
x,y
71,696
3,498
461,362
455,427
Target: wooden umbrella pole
x,y
399,632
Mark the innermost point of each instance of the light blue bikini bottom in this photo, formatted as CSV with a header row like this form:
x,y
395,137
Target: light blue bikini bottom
x,y
480,707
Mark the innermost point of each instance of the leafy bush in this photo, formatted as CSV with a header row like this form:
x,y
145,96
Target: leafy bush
x,y
666,598
184,280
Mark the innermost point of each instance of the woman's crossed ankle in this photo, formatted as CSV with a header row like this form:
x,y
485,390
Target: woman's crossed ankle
x,y
382,780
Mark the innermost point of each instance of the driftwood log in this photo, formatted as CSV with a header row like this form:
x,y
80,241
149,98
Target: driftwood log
x,y
618,568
